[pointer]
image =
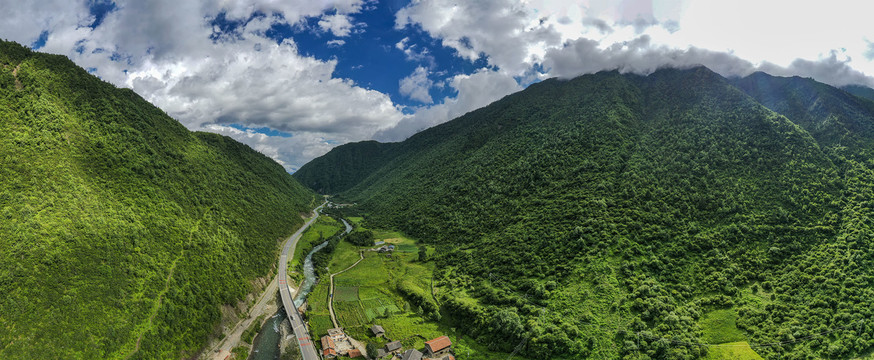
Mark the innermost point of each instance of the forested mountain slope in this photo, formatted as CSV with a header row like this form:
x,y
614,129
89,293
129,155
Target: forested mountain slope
x,y
860,91
610,215
345,166
121,232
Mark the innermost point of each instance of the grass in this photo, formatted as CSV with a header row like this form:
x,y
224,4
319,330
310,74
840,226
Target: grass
x,y
319,317
344,256
733,351
240,353
323,228
250,332
720,326
319,325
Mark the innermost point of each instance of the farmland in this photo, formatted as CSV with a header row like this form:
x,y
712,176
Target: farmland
x,y
390,290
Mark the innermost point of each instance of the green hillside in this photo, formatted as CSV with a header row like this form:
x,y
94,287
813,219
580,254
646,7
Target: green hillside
x,y
860,91
123,233
346,166
605,216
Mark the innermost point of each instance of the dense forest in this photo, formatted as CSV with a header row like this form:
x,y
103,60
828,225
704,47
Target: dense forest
x,y
622,216
122,232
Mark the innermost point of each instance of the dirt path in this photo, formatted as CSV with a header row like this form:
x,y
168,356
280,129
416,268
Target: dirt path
x,y
331,293
357,344
18,85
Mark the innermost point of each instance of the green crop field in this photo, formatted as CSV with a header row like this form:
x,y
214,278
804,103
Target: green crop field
x,y
345,293
349,313
388,292
374,308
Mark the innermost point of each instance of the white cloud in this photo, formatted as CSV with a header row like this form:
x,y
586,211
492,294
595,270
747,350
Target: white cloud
x,y
241,78
508,32
412,54
417,86
290,152
24,21
474,91
338,24
208,79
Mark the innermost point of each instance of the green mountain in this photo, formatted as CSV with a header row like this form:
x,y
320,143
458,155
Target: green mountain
x,y
860,91
625,216
123,233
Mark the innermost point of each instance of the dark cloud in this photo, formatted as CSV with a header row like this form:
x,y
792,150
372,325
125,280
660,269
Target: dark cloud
x,y
599,24
830,70
584,56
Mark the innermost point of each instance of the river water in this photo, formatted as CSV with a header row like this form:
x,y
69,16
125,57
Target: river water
x,y
266,343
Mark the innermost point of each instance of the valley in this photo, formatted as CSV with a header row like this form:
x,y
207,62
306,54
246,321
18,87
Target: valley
x,y
679,214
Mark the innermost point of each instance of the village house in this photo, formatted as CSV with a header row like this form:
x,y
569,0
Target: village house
x,y
377,330
354,353
380,353
412,354
328,348
438,347
337,334
385,248
393,347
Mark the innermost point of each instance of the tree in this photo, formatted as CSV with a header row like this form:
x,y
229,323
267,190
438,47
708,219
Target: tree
x,y
371,350
423,253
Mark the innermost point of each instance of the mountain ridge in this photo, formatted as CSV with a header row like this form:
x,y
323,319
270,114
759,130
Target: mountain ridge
x,y
105,200
661,197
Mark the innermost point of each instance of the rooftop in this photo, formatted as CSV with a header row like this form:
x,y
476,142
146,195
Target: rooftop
x,y
438,344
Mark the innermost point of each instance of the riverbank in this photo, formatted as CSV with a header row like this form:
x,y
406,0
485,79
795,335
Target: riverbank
x,y
267,305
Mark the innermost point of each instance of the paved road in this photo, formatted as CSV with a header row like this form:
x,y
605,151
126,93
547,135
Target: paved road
x,y
307,349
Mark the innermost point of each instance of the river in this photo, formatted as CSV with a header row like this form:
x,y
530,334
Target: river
x,y
266,343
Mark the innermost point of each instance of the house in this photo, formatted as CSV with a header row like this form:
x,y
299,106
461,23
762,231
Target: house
x,y
438,346
354,353
377,330
412,354
380,353
337,334
385,248
329,349
393,347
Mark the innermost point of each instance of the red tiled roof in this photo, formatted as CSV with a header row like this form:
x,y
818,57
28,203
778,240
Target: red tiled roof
x,y
328,343
328,352
438,344
354,353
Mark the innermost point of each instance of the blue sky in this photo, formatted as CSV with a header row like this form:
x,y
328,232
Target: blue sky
x,y
295,78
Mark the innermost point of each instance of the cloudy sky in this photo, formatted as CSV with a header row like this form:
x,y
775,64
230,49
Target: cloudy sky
x,y
294,78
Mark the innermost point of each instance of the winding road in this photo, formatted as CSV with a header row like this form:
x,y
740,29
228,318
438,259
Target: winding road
x,y
307,349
